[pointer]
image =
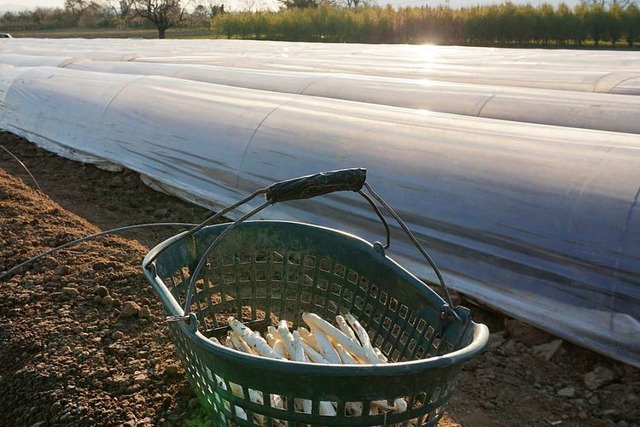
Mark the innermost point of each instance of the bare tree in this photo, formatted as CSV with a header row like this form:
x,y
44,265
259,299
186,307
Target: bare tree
x,y
300,4
201,15
210,8
622,4
163,14
78,7
83,12
121,9
215,7
254,5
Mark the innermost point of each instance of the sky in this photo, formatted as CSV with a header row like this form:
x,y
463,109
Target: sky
x,y
32,4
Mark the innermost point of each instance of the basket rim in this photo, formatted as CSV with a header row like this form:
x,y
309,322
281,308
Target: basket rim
x,y
476,346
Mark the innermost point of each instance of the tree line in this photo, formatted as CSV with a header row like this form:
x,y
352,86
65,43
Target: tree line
x,y
592,21
496,25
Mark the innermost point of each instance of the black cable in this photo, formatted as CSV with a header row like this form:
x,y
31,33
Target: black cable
x,y
92,236
23,166
200,226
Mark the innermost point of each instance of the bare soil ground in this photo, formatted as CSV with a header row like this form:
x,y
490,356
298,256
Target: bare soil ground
x,y
73,353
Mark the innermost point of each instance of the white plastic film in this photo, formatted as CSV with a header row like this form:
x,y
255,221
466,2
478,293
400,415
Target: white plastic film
x,y
538,221
600,71
575,109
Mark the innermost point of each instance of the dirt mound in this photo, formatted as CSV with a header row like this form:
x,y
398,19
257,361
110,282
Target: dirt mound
x,y
68,355
71,354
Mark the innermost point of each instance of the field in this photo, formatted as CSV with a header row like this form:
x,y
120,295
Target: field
x,y
518,168
73,350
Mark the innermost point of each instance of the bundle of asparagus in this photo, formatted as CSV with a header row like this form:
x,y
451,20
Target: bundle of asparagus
x,y
348,343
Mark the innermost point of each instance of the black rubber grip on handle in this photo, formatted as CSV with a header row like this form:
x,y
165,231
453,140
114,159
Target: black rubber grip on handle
x,y
318,184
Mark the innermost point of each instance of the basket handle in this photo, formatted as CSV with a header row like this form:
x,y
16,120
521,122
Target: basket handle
x,y
309,186
305,187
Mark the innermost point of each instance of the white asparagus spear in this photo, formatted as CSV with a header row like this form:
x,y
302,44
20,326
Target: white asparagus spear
x,y
238,327
240,413
254,396
336,334
240,345
381,356
381,404
356,407
297,354
313,355
346,358
271,339
326,408
308,338
237,390
257,397
400,405
227,341
253,339
280,349
286,337
276,401
345,328
272,330
298,350
221,383
363,336
261,347
326,349
303,405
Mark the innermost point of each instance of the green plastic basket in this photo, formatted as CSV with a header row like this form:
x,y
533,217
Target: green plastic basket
x,y
264,271
268,270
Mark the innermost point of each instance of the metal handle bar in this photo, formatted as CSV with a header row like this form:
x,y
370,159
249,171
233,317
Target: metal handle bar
x,y
318,184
